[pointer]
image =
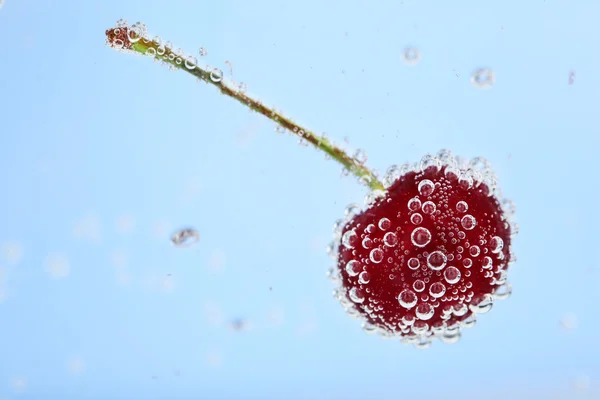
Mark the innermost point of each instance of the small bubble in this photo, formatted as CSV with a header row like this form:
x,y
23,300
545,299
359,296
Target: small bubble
x,y
349,239
487,262
468,222
411,55
185,237
390,239
437,290
384,224
429,207
151,52
353,267
467,262
474,251
424,311
203,52
496,244
364,278
367,243
356,295
452,275
413,263
420,237
483,78
419,286
462,207
407,299
414,204
376,255
416,219
191,62
436,260
160,50
426,187
483,304
216,75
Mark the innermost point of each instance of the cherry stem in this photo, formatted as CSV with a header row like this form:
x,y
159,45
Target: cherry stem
x,y
129,39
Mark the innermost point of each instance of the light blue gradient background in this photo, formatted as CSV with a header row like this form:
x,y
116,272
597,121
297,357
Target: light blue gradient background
x,y
86,132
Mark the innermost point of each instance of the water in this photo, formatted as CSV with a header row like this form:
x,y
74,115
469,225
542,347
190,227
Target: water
x,y
104,155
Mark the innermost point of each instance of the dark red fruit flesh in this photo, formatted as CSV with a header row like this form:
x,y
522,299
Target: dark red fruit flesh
x,y
457,267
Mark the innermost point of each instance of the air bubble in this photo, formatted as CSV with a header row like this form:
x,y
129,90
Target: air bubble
x,y
353,267
376,255
407,299
414,204
367,243
411,55
413,263
416,219
468,222
203,52
436,260
429,207
349,239
483,305
364,278
216,75
185,237
452,275
483,78
487,262
467,263
418,286
420,327
151,52
426,187
503,292
429,161
437,290
424,311
496,244
420,237
390,239
384,224
191,62
356,295
474,251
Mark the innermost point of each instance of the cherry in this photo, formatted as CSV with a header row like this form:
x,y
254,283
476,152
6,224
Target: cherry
x,y
429,254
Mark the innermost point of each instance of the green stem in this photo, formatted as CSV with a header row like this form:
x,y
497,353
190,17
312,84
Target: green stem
x,y
134,39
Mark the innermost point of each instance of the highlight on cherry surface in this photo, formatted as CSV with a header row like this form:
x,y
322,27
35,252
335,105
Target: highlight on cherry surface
x,y
428,255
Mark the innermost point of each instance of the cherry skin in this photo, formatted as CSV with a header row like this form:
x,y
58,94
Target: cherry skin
x,y
426,257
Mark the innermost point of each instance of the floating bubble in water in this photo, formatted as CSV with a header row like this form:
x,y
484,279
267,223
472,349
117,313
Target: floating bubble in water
x,y
426,187
384,224
474,251
462,207
468,222
407,298
418,285
437,290
390,239
452,275
424,311
191,62
185,237
353,267
356,295
411,55
416,219
496,244
414,204
203,52
413,263
364,278
376,255
420,237
483,78
483,305
428,207
349,239
437,260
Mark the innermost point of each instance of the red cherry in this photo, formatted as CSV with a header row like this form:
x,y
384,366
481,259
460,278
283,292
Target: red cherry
x,y
427,255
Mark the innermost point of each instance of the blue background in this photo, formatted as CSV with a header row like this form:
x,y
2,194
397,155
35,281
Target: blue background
x,y
103,155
